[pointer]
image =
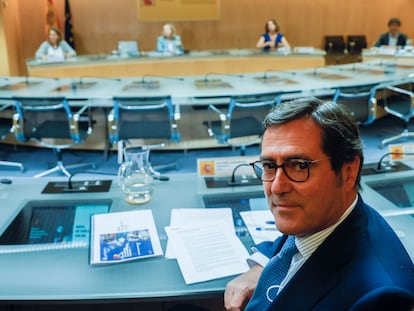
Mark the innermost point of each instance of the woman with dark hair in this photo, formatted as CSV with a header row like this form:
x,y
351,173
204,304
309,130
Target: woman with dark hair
x,y
272,39
55,48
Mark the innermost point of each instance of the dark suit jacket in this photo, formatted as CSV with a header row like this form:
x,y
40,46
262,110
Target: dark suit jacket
x,y
384,40
362,265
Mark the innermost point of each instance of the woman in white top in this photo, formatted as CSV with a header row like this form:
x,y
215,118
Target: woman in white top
x,y
55,48
169,42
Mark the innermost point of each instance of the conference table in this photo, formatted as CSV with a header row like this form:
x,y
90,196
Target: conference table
x,y
389,54
191,63
192,94
44,273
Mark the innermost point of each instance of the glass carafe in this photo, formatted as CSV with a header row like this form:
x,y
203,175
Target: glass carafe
x,y
134,176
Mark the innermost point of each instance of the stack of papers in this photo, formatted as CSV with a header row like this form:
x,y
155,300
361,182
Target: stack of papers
x,y
205,244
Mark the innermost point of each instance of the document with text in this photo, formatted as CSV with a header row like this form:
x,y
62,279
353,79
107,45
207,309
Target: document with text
x,y
183,216
207,250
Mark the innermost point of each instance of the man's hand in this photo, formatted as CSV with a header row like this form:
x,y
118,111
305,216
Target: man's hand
x,y
239,290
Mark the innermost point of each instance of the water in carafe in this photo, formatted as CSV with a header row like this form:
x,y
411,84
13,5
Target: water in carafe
x,y
134,176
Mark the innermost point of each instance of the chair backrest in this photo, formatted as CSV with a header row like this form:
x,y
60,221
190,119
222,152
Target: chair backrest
x,y
41,118
334,44
356,43
247,112
143,118
359,102
5,122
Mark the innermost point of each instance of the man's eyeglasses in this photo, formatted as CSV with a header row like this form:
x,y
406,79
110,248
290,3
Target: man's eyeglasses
x,y
296,170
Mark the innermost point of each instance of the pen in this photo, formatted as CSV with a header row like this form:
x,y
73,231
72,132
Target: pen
x,y
270,222
265,229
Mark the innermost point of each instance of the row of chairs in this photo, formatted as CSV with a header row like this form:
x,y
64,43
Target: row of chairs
x,y
396,99
245,113
53,122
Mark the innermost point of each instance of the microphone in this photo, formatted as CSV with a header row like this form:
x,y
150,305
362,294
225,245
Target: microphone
x,y
206,77
159,76
232,181
315,71
379,164
97,77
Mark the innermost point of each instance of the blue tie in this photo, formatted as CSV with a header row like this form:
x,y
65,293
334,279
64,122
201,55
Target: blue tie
x,y
272,275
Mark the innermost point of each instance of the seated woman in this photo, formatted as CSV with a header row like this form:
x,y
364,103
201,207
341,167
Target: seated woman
x,y
169,42
272,39
55,48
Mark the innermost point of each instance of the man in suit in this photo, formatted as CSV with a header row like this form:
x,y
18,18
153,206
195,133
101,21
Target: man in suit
x,y
393,37
346,257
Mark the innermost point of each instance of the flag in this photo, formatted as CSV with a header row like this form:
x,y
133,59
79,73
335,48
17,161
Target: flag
x,y
51,17
69,36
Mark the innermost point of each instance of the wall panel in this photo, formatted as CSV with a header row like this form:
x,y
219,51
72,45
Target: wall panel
x,y
100,24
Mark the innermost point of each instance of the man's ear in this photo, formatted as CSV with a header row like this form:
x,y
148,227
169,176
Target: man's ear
x,y
350,173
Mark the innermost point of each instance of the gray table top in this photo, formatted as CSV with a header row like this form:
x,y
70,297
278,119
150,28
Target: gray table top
x,y
65,274
199,90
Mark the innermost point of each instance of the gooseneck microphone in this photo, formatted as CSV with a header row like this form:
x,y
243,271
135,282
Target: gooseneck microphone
x,y
143,81
379,164
233,174
208,75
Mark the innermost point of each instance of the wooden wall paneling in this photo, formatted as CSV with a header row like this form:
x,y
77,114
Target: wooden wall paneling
x,y
100,24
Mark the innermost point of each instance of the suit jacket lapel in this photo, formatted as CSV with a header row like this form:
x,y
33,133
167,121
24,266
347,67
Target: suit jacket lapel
x,y
322,270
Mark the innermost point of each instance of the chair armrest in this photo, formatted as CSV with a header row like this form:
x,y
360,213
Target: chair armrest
x,y
177,112
5,106
112,126
82,109
399,90
18,128
222,115
74,122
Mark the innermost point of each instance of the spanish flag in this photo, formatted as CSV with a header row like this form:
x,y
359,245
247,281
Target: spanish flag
x,y
69,36
51,17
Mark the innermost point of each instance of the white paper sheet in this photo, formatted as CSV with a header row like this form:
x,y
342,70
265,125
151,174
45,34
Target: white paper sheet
x,y
183,216
207,250
260,225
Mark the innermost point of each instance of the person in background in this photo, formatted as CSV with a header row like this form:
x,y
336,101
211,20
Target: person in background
x,y
169,42
55,48
393,37
272,39
337,252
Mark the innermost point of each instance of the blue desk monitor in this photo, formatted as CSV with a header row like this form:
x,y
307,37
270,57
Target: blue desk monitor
x,y
45,222
399,191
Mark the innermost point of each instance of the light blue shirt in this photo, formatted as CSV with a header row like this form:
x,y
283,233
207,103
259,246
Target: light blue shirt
x,y
172,47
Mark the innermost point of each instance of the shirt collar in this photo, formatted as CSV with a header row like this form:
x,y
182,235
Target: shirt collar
x,y
306,245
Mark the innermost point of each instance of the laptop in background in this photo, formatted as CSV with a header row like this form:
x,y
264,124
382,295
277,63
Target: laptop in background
x,y
128,48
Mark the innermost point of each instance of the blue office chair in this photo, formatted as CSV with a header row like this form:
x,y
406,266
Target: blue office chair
x,y
241,125
360,102
5,131
153,120
398,101
50,122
